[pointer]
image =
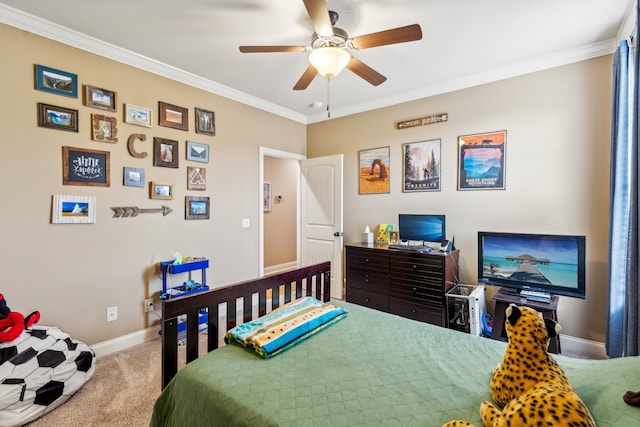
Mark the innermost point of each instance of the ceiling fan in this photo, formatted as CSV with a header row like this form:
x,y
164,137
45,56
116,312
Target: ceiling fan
x,y
328,50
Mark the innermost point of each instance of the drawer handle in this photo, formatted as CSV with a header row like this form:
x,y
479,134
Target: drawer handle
x,y
414,290
414,311
366,299
415,267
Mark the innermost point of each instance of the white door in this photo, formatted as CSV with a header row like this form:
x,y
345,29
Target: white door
x,y
321,216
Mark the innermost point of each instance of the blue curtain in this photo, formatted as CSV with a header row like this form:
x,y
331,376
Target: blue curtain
x,y
624,280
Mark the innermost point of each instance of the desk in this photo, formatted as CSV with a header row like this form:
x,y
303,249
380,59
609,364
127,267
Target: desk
x,y
548,310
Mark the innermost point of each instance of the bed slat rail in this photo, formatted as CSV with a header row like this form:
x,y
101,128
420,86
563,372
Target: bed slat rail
x,y
315,279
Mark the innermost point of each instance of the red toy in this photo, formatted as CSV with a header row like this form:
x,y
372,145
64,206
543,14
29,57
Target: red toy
x,y
13,323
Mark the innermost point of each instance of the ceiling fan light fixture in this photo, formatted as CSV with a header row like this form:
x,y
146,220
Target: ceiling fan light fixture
x,y
329,61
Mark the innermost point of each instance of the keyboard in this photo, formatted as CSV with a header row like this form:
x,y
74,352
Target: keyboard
x,y
411,248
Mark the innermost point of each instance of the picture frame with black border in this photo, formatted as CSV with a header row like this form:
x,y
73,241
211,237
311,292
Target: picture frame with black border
x,y
56,81
55,117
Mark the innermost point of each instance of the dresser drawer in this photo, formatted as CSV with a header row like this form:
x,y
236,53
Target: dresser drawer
x,y
421,312
413,270
368,299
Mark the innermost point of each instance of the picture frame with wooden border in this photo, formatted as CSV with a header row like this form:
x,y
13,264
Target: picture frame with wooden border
x,y
482,161
196,207
197,152
421,166
96,97
172,116
73,209
104,128
205,122
165,152
133,177
160,191
86,167
137,115
196,178
60,118
56,81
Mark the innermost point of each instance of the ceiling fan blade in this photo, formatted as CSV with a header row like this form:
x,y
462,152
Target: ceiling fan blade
x,y
319,14
260,49
363,70
306,78
396,35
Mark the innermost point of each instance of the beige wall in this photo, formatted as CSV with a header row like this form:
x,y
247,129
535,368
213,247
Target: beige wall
x,y
72,273
557,169
280,229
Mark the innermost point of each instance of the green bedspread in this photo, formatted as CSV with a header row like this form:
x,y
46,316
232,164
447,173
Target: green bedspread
x,y
370,369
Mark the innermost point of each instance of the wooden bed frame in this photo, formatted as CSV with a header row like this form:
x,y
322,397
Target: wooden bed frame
x,y
313,280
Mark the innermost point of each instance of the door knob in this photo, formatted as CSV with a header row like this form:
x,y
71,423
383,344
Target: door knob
x,y
337,234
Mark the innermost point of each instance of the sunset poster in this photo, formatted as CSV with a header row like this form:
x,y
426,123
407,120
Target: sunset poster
x,y
374,170
481,161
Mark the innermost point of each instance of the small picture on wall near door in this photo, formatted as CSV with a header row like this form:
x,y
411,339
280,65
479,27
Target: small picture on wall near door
x,y
374,170
267,197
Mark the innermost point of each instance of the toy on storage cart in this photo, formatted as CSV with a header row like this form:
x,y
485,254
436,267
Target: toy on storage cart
x,y
188,287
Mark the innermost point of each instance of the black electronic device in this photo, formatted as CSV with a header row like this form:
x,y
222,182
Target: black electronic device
x,y
425,228
554,264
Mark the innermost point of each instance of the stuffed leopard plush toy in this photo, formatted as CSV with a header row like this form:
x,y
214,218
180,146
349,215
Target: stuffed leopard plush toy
x,y
528,384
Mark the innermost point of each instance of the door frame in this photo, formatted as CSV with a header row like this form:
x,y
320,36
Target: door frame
x,y
270,152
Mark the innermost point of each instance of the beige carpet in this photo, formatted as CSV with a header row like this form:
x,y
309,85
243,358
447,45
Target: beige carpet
x,y
120,393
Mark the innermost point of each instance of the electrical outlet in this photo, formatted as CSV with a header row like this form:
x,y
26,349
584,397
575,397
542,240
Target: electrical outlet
x,y
148,305
112,313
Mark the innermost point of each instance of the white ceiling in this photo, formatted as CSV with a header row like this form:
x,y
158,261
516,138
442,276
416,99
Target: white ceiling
x,y
464,43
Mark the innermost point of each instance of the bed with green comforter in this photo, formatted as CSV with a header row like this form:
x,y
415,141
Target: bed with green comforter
x,y
370,369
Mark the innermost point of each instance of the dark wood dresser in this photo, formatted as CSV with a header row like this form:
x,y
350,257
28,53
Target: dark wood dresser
x,y
407,283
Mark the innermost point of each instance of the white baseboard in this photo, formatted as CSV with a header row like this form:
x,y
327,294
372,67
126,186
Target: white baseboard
x,y
120,343
281,267
582,348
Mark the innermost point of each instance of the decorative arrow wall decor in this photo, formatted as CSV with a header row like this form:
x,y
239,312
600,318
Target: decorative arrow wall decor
x,y
131,211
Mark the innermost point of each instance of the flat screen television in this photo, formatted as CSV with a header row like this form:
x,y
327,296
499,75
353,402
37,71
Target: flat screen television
x,y
554,264
426,228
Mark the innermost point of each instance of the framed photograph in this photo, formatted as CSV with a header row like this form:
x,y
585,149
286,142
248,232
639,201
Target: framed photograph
x,y
53,117
133,177
82,166
56,81
137,115
205,122
196,207
266,202
421,166
104,128
165,153
172,116
481,161
197,152
196,178
73,209
160,191
99,98
374,171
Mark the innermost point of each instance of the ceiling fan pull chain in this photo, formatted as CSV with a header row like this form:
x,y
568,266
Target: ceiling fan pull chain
x,y
328,98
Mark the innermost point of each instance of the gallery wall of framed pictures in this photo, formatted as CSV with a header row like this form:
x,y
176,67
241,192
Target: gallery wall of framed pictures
x,y
88,162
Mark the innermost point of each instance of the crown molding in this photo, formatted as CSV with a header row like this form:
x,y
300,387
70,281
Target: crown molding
x,y
50,30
